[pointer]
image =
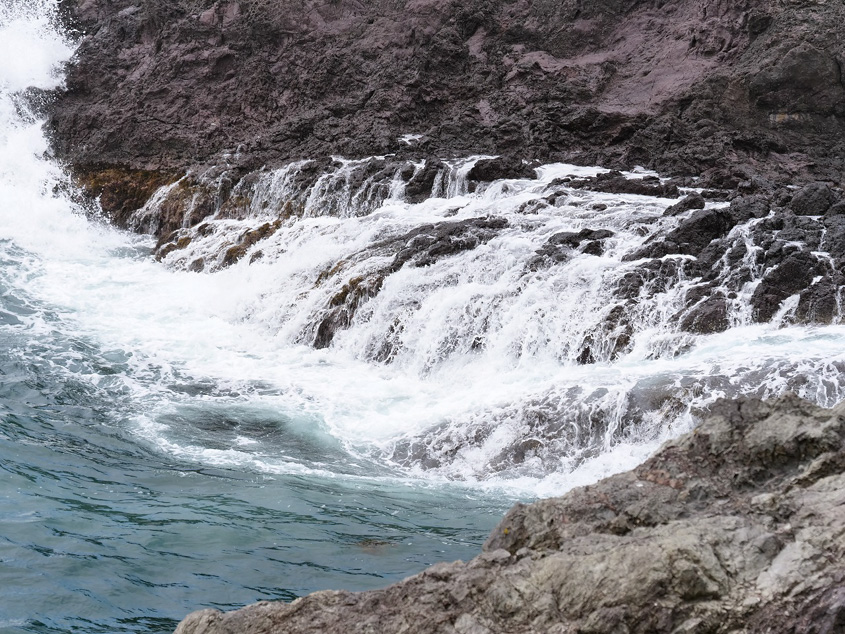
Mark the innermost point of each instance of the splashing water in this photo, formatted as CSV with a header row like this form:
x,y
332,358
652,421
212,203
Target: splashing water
x,y
503,362
312,414
108,525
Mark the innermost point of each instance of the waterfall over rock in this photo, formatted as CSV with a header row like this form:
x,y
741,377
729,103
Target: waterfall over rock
x,y
306,295
619,302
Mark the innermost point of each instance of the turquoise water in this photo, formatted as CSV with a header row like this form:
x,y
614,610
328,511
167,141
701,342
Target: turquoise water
x,y
148,466
171,441
99,533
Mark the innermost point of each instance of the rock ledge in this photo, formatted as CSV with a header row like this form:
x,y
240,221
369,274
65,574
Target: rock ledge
x,y
738,526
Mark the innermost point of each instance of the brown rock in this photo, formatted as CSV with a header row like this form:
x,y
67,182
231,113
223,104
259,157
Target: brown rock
x,y
683,87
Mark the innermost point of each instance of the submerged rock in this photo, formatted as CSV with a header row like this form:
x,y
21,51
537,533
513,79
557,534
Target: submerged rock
x,y
736,526
343,306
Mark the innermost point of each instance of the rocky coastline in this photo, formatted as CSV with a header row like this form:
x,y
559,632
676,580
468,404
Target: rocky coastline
x,y
730,91
735,527
179,115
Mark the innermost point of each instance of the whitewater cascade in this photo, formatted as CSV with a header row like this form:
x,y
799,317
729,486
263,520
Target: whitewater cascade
x,y
305,380
500,332
475,336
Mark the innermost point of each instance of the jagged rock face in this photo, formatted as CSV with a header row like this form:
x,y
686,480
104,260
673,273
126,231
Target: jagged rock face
x,y
684,86
737,526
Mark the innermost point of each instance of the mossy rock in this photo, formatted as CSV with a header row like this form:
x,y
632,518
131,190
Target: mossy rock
x,y
120,190
331,272
233,254
174,244
356,289
247,240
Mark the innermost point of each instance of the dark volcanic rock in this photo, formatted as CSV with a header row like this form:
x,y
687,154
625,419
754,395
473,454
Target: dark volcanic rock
x,y
773,254
614,182
426,244
837,209
423,246
750,91
812,200
791,276
697,231
556,249
820,302
691,236
420,185
745,208
734,527
692,201
487,170
710,316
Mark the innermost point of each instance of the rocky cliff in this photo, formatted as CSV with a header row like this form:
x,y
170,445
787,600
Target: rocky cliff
x,y
727,88
736,527
745,97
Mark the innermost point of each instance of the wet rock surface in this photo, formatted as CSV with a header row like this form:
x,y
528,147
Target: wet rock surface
x,y
179,115
558,248
757,246
755,252
423,246
426,244
614,182
737,526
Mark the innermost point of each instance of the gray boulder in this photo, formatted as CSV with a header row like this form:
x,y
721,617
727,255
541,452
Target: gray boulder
x,y
812,200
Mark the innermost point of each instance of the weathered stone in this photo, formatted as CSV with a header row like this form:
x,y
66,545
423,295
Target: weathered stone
x,y
734,527
752,92
690,237
791,276
820,302
558,248
837,209
487,170
745,208
691,201
812,200
709,316
425,245
614,182
120,190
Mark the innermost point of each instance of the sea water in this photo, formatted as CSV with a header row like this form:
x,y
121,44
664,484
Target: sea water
x,y
107,525
171,440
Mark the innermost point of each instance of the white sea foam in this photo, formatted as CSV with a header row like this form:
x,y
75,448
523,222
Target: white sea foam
x,y
483,385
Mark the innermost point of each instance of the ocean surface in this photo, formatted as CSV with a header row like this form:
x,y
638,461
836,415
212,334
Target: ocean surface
x,y
171,440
